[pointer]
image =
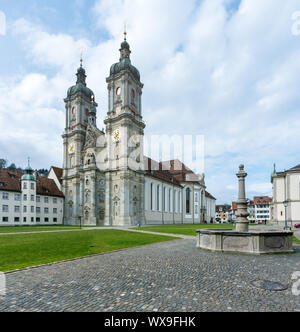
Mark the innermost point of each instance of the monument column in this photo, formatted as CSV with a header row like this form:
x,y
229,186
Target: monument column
x,y
242,223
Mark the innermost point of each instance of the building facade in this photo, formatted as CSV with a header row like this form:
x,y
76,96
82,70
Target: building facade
x,y
27,199
106,178
223,214
259,210
286,188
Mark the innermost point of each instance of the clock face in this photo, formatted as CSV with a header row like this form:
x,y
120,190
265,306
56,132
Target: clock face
x,y
119,91
71,148
116,136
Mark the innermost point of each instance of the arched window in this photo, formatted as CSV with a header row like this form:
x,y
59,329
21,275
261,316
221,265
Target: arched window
x,y
188,200
158,197
146,196
151,197
165,199
180,202
170,201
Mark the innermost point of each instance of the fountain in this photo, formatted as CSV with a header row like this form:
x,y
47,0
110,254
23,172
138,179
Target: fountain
x,y
243,240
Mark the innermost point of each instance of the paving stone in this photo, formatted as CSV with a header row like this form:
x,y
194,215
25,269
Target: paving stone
x,y
170,276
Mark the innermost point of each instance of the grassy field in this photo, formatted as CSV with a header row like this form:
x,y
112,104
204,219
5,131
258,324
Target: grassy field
x,y
25,250
183,229
296,240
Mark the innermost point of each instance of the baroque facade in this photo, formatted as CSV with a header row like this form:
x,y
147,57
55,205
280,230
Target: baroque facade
x,y
106,180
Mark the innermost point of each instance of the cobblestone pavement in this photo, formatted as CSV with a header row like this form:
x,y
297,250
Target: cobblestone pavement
x,y
171,276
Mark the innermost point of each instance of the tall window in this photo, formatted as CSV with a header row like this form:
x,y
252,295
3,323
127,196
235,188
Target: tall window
x,y
5,196
151,198
175,201
32,186
146,196
165,199
170,200
188,200
25,185
158,198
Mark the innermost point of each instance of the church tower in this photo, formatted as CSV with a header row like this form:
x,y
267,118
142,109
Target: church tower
x,y
80,110
125,133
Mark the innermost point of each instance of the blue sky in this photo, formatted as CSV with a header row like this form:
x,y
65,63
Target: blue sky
x,y
225,69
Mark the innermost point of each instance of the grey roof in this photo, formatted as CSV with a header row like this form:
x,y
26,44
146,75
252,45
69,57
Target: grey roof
x,y
122,65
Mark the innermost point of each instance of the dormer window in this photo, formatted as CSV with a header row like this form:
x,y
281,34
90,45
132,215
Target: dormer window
x,y
1,184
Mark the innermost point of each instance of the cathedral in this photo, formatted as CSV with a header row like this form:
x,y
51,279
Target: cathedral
x,y
106,179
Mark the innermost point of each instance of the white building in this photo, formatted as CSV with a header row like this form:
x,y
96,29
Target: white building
x,y
27,199
176,195
286,188
259,210
106,179
262,209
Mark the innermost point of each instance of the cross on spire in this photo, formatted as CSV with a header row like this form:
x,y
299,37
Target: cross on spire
x,y
81,56
125,30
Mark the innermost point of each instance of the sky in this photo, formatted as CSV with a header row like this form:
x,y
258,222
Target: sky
x,y
224,69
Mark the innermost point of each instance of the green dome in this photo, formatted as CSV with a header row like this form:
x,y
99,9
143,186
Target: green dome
x,y
124,64
125,45
80,88
28,169
28,177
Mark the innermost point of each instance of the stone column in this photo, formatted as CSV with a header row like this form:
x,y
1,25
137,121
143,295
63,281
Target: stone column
x,y
242,223
81,200
93,200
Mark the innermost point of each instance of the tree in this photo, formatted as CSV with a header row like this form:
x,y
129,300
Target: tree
x,y
3,163
12,167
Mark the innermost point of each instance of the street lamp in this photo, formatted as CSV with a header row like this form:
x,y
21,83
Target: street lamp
x,y
80,221
286,204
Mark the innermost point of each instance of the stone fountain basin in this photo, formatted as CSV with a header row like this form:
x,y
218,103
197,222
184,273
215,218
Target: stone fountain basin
x,y
253,242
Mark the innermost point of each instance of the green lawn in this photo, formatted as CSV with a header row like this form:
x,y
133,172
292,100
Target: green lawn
x,y
25,250
296,240
183,229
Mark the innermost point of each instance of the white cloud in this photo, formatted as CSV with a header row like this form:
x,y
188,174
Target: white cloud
x,y
2,24
261,188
